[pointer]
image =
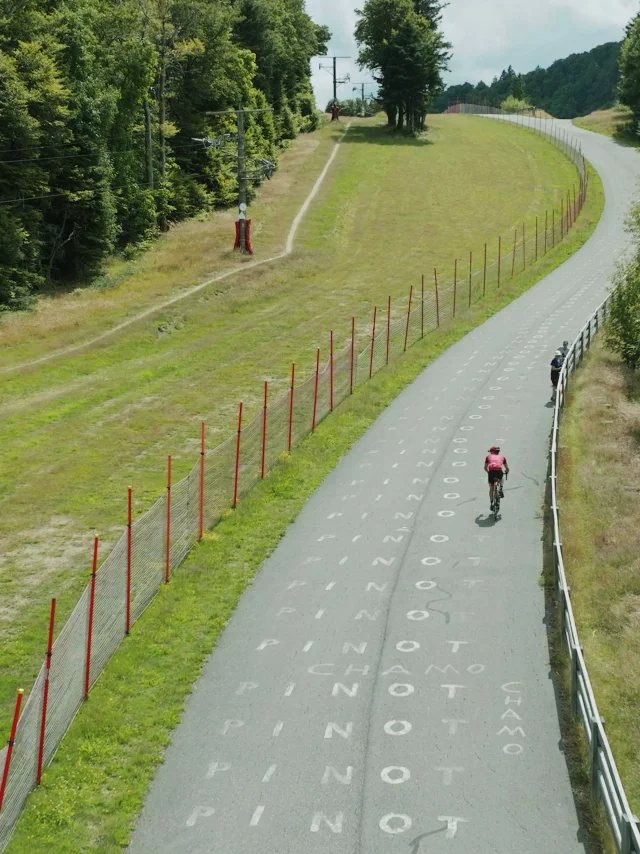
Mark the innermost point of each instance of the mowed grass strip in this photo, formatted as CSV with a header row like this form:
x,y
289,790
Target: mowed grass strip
x,y
599,482
95,788
76,432
614,123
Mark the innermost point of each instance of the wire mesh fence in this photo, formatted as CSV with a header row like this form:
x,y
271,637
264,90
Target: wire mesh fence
x,y
153,545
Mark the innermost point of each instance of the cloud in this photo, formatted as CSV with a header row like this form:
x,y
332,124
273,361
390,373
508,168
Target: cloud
x,y
487,35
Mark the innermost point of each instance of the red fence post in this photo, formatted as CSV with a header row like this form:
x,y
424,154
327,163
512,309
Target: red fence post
x,y
202,465
484,278
315,392
388,326
406,332
167,566
264,429
237,472
470,274
455,285
291,392
12,738
373,340
546,230
515,243
127,621
92,599
499,258
422,308
45,693
331,371
353,353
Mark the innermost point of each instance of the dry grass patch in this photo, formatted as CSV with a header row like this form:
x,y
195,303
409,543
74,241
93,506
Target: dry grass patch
x,y
614,123
600,502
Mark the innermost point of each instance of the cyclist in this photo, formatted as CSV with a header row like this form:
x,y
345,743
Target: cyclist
x,y
556,367
564,349
494,465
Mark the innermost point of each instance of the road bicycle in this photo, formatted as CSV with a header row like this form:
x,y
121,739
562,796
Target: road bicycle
x,y
495,504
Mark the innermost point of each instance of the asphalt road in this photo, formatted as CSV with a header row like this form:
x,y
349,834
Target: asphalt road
x,y
384,686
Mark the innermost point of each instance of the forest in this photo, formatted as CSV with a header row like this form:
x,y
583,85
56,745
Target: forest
x,y
101,101
575,86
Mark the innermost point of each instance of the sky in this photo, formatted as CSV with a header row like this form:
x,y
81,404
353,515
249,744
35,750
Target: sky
x,y
487,36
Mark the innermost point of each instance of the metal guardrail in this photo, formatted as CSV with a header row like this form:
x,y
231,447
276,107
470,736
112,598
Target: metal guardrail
x,y
606,785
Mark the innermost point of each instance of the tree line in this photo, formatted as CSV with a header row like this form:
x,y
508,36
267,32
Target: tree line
x,y
100,101
575,86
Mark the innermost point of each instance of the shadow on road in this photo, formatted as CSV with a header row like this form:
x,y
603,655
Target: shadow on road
x,y
487,521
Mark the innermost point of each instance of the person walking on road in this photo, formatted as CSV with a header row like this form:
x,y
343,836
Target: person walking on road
x,y
496,467
556,367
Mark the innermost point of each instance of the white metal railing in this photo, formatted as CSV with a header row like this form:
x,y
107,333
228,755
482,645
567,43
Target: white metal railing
x,y
606,785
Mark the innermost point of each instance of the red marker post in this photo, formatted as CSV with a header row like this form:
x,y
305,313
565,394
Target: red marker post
x,y
92,599
12,739
45,693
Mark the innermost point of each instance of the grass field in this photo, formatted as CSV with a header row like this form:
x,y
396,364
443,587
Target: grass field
x,y
600,501
613,123
76,432
95,788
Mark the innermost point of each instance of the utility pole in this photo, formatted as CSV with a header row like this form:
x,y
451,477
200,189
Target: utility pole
x,y
264,169
334,71
362,85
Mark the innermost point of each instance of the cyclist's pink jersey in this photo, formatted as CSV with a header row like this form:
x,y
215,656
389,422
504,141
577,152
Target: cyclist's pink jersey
x,y
495,462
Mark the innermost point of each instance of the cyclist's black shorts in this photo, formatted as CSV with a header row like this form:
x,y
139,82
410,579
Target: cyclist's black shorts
x,y
554,378
495,476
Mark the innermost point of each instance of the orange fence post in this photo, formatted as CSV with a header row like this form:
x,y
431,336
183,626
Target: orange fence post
x,y
406,332
435,276
373,340
455,285
264,429
388,326
45,693
484,279
546,230
202,465
315,392
167,567
237,472
291,393
127,619
92,598
12,739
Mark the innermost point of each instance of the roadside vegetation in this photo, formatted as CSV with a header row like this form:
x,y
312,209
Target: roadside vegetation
x,y
94,789
616,123
599,477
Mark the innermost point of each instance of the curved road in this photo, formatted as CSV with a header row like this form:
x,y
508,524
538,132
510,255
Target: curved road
x,y
384,686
